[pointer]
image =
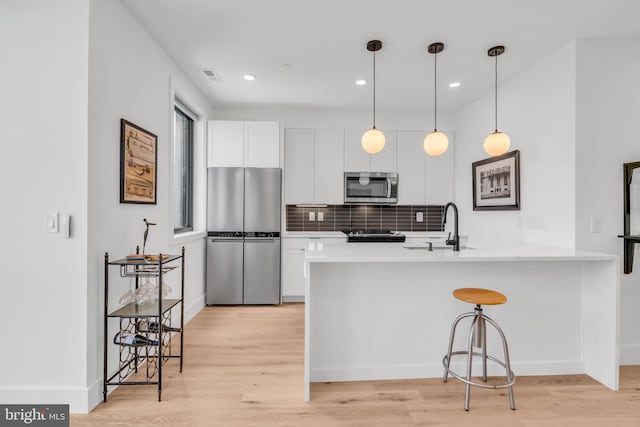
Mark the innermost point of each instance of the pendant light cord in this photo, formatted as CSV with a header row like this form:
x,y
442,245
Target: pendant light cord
x,y
374,89
496,94
435,92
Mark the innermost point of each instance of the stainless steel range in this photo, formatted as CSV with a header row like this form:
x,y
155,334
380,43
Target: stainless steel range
x,y
355,236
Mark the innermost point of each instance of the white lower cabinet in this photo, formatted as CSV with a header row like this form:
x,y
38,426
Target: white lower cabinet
x,y
292,274
293,253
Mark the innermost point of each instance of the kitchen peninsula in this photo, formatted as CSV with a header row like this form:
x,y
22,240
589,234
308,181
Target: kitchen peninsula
x,y
382,311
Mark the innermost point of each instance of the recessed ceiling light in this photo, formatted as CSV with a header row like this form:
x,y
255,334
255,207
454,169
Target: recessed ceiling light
x,y
361,82
454,84
249,77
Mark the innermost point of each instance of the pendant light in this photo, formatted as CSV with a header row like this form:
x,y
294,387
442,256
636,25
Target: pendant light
x,y
436,142
497,142
373,139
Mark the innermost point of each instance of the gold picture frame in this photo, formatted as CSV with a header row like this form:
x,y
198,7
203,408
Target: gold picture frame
x,y
138,160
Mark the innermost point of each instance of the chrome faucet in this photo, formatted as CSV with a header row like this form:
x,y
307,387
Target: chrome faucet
x,y
455,242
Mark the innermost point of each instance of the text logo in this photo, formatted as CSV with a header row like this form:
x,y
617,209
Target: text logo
x,y
34,415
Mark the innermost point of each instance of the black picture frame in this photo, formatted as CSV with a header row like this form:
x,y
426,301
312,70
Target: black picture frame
x,y
138,164
496,183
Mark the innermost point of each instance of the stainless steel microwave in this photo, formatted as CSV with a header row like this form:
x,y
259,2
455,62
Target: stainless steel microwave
x,y
371,187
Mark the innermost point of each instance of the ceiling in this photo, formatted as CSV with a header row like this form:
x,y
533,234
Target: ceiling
x,y
309,53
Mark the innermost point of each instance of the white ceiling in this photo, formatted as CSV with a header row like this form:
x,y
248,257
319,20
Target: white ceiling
x,y
309,53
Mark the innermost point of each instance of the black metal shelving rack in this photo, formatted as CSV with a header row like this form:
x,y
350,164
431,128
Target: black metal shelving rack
x,y
152,356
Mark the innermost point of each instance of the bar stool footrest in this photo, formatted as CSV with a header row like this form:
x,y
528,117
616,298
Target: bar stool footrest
x,y
473,383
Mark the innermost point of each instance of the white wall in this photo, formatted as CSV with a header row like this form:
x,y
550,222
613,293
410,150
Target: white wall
x,y
131,77
537,110
608,108
336,119
43,167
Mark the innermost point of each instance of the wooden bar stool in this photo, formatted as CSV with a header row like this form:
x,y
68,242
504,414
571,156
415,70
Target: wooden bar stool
x,y
478,339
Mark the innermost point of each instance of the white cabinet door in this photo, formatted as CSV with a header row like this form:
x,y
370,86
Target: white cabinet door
x,y
262,144
385,160
440,176
329,166
225,143
411,168
355,158
299,172
292,272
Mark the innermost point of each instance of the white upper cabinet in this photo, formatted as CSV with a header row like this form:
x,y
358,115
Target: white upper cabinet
x,y
313,166
248,144
355,158
262,144
411,168
358,160
299,167
440,175
316,159
385,160
225,143
329,166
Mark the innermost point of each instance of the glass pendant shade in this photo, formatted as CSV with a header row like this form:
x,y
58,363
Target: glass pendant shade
x,y
373,141
497,143
435,143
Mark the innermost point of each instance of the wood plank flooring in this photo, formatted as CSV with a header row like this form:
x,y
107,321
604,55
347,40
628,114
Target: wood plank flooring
x,y
244,367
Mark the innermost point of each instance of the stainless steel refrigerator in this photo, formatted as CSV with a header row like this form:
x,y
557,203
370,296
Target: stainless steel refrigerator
x,y
243,242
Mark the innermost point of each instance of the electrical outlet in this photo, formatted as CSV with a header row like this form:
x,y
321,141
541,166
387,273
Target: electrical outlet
x,y
419,216
312,216
596,224
320,216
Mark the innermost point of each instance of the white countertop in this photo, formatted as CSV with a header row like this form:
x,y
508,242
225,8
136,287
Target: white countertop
x,y
313,234
396,252
332,234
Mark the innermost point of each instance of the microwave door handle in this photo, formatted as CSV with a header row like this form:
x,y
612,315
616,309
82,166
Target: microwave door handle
x,y
388,188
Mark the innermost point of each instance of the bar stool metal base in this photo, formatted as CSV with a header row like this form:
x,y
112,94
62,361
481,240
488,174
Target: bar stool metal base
x,y
478,336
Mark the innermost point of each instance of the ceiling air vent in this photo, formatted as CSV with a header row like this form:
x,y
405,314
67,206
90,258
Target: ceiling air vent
x,y
212,75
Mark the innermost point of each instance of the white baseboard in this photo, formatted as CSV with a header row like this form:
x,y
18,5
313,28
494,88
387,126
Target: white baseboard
x,y
94,396
435,370
194,308
630,355
292,298
80,399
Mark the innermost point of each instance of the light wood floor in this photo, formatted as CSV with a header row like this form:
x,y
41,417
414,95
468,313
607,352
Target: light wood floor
x,y
244,367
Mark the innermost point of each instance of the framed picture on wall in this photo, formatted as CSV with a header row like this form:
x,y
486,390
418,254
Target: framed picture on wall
x,y
496,183
138,160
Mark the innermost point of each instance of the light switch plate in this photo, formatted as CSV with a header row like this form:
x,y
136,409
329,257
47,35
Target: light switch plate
x,y
596,224
51,222
320,216
312,216
65,225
